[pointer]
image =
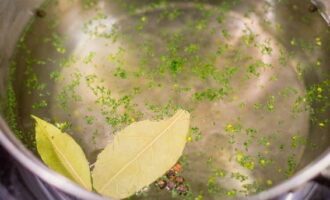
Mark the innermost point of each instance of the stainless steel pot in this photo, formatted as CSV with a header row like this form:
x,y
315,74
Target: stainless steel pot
x,y
16,14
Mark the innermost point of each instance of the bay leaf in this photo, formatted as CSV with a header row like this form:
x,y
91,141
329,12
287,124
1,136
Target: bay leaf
x,y
140,154
61,153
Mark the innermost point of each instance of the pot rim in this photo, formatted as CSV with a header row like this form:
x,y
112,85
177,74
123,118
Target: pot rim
x,y
33,164
298,179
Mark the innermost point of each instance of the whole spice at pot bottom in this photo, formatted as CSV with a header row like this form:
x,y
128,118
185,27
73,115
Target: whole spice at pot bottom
x,y
312,8
177,167
40,13
182,189
161,184
179,179
170,174
170,185
172,181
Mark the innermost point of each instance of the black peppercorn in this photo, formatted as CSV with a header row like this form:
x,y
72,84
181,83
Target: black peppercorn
x,y
182,189
170,185
170,174
161,184
179,179
177,167
312,8
40,13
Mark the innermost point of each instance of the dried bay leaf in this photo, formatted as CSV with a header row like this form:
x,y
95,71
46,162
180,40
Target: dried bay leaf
x,y
61,153
139,154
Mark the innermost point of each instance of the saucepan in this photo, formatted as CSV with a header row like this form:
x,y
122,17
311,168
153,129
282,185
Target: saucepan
x,y
254,76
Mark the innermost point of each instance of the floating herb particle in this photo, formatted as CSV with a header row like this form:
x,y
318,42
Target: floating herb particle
x,y
297,140
191,48
89,3
175,66
69,61
196,134
55,75
89,119
257,106
212,185
269,182
271,103
291,165
184,160
210,94
263,161
233,128
232,192
89,57
321,124
219,173
41,104
209,161
58,43
245,161
238,176
318,41
242,105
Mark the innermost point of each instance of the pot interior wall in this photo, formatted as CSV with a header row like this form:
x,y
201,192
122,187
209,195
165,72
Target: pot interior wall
x,y
254,75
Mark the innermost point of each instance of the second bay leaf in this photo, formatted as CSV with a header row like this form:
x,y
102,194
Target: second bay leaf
x,y
139,154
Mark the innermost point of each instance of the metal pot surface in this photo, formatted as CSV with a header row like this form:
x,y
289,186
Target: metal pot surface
x,y
255,75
